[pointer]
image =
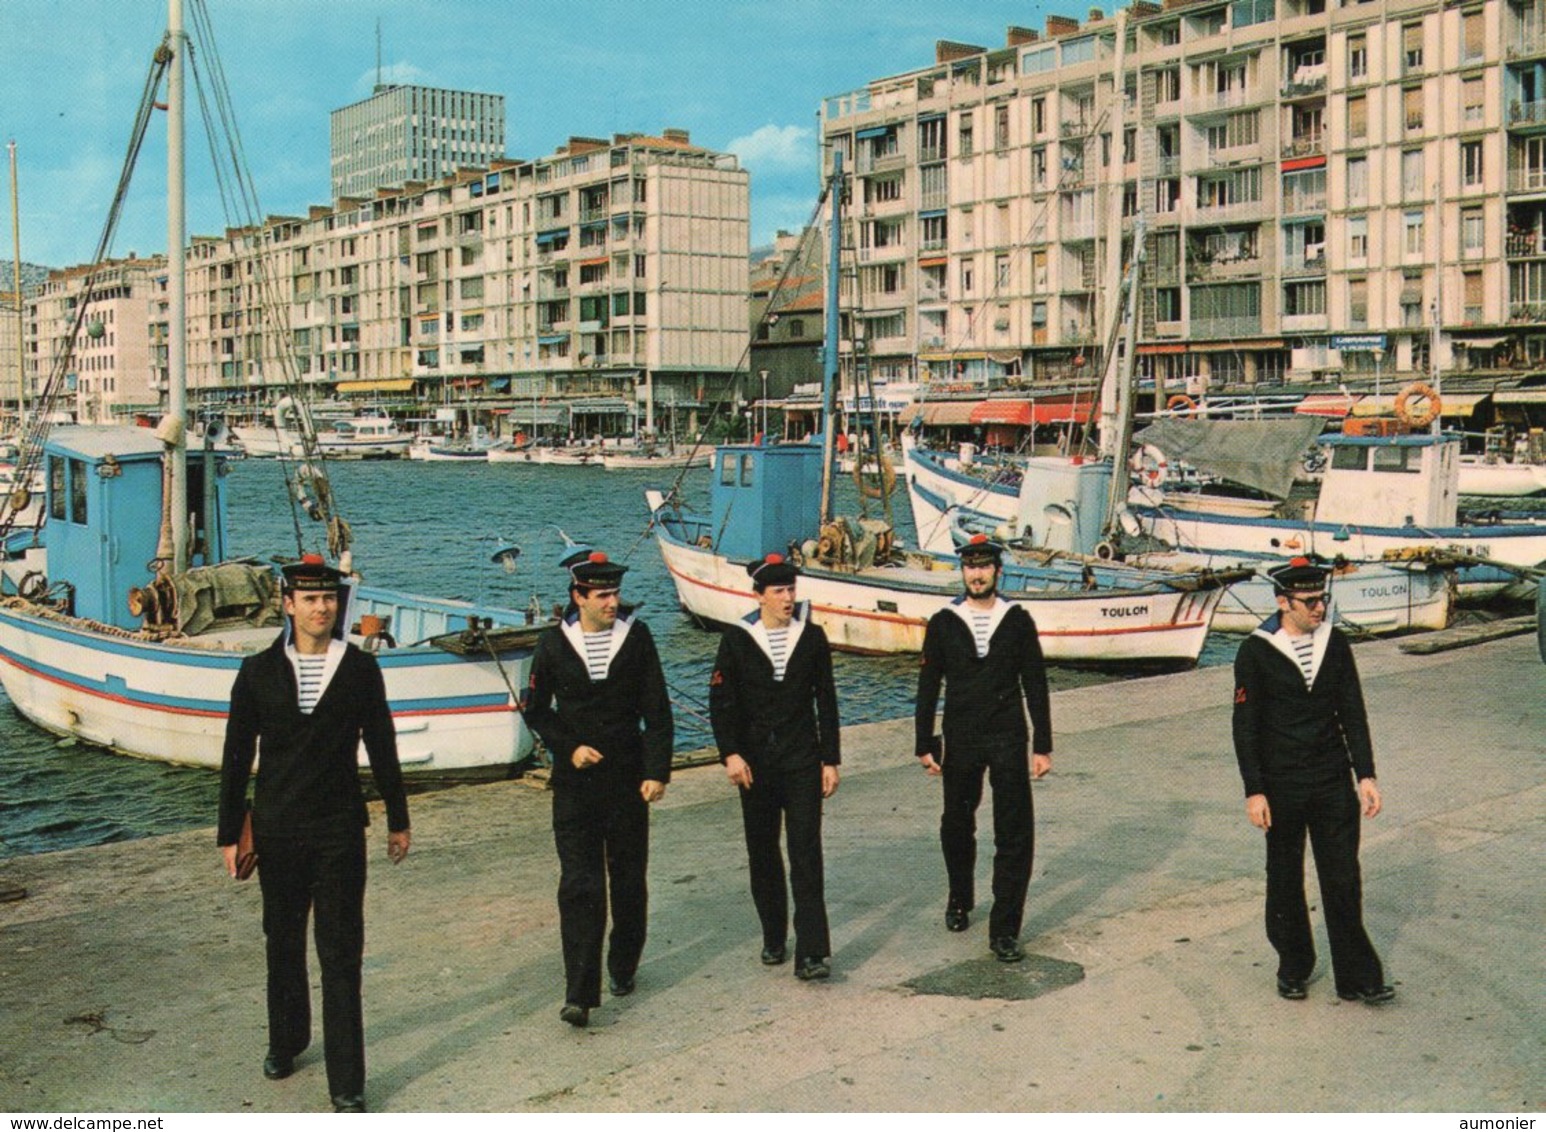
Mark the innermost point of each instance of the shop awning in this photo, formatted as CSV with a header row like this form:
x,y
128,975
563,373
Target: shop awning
x,y
537,414
940,413
1049,410
1335,405
1481,342
1519,397
390,385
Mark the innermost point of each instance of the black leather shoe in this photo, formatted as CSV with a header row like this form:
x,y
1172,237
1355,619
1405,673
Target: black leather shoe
x,y
1294,989
621,988
956,919
773,956
809,969
352,1102
277,1067
1371,996
1006,949
575,1015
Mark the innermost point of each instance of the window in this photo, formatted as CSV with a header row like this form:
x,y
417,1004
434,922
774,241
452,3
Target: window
x,y
1395,459
1471,98
1474,295
1412,174
1357,180
1167,86
1471,36
472,288
1358,237
56,485
1412,103
931,140
1473,232
1001,272
966,277
1001,126
935,232
1167,304
1038,116
1471,164
1358,303
796,325
964,135
1357,116
78,491
1039,168
1357,57
1304,298
1412,47
1412,227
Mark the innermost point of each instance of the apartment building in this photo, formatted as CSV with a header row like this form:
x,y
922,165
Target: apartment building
x,y
13,382
113,355
614,270
413,133
1327,190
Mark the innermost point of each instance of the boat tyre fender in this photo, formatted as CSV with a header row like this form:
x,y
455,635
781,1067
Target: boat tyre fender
x,y
1181,405
33,585
1418,406
1105,551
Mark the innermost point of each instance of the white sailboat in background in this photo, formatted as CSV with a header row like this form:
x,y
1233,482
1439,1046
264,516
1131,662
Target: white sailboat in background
x,y
140,660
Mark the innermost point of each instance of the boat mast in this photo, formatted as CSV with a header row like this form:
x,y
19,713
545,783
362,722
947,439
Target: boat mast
x,y
176,231
829,340
1112,394
21,354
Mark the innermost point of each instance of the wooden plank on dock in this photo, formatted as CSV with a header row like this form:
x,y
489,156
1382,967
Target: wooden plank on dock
x,y
1462,636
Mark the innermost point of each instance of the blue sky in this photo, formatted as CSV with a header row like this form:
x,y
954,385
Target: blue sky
x,y
742,76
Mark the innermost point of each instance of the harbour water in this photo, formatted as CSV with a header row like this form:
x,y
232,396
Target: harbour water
x,y
430,527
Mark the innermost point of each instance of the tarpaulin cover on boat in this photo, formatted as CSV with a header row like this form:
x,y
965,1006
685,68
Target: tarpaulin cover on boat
x,y
1260,454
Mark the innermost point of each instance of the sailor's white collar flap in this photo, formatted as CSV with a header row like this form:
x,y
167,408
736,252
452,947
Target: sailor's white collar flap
x,y
576,637
963,609
753,625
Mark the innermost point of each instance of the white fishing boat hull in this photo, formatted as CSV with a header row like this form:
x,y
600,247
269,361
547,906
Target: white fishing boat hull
x,y
1518,479
1517,544
936,484
455,717
621,460
263,443
1367,597
885,610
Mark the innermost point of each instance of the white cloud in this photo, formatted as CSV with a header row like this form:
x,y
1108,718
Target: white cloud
x,y
771,149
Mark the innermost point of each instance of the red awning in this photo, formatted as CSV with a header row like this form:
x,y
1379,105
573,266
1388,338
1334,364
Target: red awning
x,y
1048,410
1336,405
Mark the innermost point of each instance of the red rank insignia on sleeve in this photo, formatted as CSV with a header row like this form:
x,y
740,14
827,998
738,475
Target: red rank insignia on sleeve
x,y
1239,695
717,679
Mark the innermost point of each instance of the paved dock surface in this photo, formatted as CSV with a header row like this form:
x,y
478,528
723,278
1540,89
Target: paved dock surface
x,y
131,976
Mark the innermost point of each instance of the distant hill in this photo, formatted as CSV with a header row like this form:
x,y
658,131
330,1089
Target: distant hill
x,y
32,274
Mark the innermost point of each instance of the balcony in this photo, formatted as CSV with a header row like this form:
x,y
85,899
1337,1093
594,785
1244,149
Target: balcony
x,y
1305,263
1076,128
1305,145
1202,269
1306,82
1305,322
1527,180
1524,43
1077,230
933,200
930,153
1522,245
1168,166
1235,326
1526,312
1301,203
893,251
1525,115
883,163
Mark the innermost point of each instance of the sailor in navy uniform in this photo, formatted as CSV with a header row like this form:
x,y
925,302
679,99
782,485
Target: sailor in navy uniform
x,y
774,711
985,650
1301,738
598,701
309,699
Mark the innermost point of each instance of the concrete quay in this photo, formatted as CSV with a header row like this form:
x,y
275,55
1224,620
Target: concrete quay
x,y
131,976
